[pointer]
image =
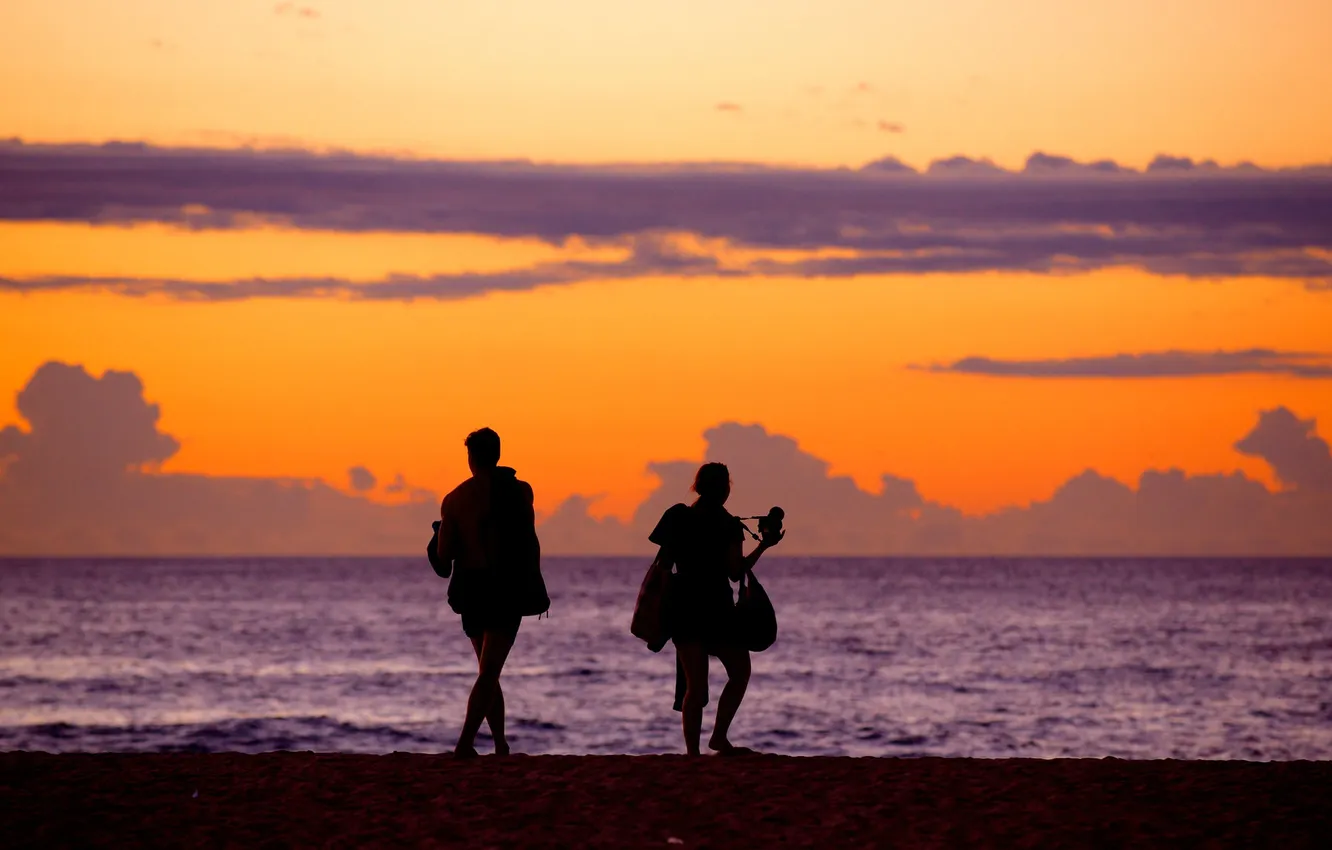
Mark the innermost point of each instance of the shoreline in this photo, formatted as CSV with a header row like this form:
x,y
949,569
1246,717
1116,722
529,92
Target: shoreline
x,y
302,798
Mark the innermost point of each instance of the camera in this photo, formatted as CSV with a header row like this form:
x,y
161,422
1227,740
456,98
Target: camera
x,y
771,525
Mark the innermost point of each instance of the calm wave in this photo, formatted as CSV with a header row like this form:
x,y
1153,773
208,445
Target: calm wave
x,y
972,657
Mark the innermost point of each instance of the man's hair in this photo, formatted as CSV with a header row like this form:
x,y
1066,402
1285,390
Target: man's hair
x,y
483,445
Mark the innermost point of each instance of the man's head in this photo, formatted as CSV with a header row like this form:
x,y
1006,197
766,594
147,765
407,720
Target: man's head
x,y
483,450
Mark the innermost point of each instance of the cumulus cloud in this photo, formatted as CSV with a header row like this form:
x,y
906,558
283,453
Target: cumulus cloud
x,y
361,479
887,165
81,427
68,487
962,214
771,469
571,529
1169,512
1041,163
964,166
1156,364
1298,456
1165,162
82,478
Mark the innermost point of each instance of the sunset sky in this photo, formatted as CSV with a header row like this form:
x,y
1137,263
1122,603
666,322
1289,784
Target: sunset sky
x,y
685,233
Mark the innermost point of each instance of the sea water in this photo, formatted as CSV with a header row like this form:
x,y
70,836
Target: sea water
x,y
1134,658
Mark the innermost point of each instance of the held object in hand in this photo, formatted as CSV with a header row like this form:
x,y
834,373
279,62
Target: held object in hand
x,y
769,525
442,568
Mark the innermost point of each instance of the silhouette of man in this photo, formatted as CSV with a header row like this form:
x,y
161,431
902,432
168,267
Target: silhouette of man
x,y
482,522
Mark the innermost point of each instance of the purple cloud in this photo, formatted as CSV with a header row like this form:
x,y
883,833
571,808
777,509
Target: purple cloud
x,y
361,479
111,430
1046,164
1300,458
1168,512
1158,364
643,260
83,478
961,215
649,256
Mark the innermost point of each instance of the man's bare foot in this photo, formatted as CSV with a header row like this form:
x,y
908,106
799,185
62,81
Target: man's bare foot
x,y
461,752
501,748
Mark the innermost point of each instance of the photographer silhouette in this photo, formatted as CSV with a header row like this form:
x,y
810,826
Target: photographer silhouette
x,y
705,543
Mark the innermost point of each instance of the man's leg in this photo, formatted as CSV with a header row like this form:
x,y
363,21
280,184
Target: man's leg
x,y
736,661
495,646
693,657
495,714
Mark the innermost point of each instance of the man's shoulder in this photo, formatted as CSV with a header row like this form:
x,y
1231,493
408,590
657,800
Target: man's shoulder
x,y
525,490
461,492
507,480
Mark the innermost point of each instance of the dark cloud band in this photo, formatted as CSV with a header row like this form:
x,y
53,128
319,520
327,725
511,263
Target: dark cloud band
x,y
648,256
1158,364
1177,217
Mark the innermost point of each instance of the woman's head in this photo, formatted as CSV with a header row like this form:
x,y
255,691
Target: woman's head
x,y
712,483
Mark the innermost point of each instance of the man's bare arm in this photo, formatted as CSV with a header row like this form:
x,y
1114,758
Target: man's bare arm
x,y
445,540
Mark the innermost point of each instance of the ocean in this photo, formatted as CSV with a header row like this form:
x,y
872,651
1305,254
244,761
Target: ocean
x,y
998,657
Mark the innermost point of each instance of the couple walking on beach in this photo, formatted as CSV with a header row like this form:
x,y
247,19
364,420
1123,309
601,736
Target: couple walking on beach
x,y
486,541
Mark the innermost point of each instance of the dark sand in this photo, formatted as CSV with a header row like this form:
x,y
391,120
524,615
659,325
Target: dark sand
x,y
282,799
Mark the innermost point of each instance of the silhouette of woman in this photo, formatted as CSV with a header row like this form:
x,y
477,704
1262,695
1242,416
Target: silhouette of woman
x,y
705,543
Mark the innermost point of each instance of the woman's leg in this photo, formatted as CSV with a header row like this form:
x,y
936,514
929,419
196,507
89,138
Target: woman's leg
x,y
736,661
495,646
495,714
693,656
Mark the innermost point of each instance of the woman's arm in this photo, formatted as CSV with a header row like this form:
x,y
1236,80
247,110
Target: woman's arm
x,y
740,563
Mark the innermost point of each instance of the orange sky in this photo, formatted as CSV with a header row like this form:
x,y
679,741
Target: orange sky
x,y
596,80
589,382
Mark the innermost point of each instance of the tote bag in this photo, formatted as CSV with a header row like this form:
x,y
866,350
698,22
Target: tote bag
x,y
756,620
651,620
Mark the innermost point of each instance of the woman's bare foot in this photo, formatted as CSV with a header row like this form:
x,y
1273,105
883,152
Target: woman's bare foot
x,y
461,752
501,748
723,747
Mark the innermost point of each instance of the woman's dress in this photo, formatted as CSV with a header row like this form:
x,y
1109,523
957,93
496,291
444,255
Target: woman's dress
x,y
700,539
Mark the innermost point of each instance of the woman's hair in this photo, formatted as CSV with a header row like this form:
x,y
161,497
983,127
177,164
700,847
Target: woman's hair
x,y
712,482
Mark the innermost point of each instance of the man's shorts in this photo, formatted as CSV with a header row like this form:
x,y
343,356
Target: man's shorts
x,y
477,623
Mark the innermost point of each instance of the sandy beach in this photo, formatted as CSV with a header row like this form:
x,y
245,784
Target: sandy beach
x,y
288,799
